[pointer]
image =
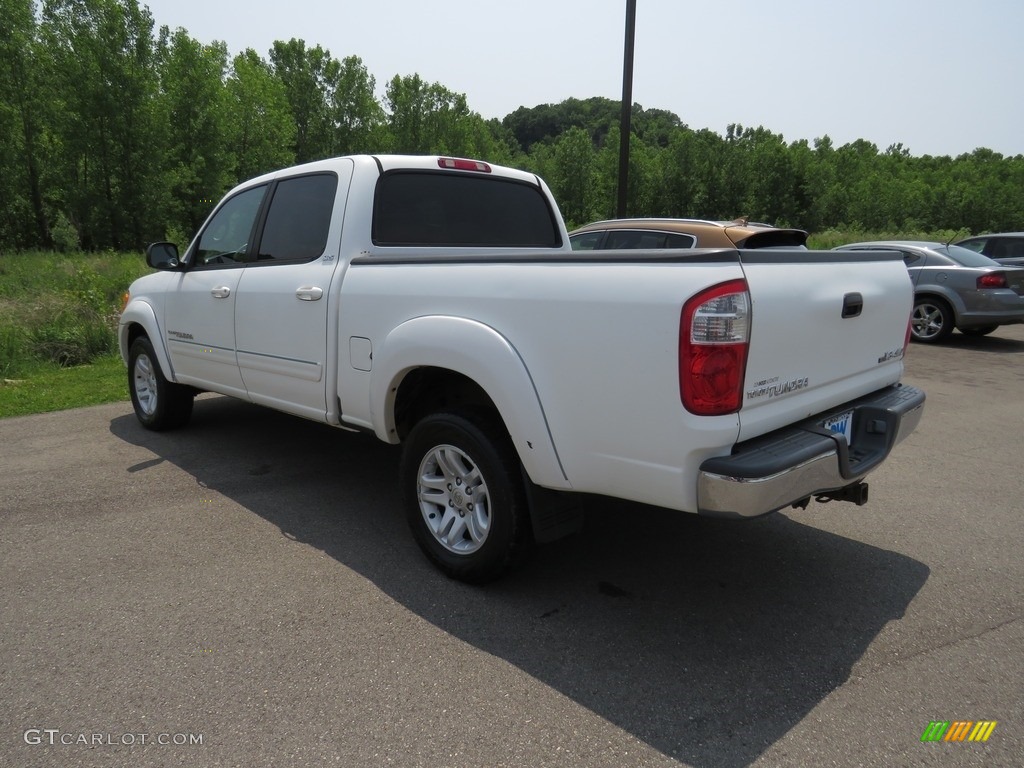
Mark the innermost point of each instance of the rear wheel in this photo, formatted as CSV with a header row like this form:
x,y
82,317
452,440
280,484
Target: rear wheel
x,y
983,330
931,321
159,404
464,495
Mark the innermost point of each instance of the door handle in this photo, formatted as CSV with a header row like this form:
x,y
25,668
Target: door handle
x,y
309,293
853,303
221,292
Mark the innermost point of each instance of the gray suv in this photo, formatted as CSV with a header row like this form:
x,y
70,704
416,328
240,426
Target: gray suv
x,y
1004,247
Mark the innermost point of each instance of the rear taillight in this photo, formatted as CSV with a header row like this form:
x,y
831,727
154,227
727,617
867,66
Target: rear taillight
x,y
714,336
906,339
459,164
992,280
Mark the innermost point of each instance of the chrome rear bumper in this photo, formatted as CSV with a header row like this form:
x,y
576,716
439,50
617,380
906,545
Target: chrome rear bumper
x,y
791,464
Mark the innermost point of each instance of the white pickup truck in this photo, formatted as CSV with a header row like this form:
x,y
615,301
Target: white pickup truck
x,y
436,302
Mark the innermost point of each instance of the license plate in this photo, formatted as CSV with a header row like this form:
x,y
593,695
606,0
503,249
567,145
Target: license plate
x,y
841,425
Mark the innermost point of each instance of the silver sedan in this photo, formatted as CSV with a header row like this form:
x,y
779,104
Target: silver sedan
x,y
954,287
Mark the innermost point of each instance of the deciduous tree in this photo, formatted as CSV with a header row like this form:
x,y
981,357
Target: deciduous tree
x,y
259,128
310,78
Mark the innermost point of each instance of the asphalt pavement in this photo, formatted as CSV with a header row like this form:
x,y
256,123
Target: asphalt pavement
x,y
244,592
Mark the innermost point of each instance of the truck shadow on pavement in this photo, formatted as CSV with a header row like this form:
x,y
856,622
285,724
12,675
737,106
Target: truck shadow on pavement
x,y
707,640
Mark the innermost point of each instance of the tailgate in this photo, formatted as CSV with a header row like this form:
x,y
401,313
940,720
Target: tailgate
x,y
826,327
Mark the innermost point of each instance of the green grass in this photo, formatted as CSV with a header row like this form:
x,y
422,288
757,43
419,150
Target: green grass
x,y
50,387
823,241
58,329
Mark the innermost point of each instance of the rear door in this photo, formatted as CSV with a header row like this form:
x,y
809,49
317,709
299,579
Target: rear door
x,y
283,307
826,327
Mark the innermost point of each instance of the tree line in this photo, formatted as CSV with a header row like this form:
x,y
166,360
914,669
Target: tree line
x,y
114,133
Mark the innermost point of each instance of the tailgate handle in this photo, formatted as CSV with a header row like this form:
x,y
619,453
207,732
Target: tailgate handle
x,y
853,303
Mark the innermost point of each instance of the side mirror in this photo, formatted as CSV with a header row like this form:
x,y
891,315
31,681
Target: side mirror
x,y
162,256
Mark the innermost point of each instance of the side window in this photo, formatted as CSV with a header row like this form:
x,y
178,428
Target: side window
x,y
226,239
619,239
588,241
912,259
680,241
623,239
650,240
299,218
453,209
978,246
1006,248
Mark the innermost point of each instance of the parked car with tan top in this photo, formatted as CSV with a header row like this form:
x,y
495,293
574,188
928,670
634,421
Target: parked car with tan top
x,y
624,234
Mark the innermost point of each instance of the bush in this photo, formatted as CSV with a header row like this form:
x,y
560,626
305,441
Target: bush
x,y
61,308
64,234
74,336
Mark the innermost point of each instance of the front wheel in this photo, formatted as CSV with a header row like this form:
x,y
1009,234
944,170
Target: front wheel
x,y
464,495
931,321
159,404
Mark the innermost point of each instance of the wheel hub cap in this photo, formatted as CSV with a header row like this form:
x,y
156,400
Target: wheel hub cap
x,y
144,381
454,500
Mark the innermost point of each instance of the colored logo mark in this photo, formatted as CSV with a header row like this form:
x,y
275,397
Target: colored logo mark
x,y
958,730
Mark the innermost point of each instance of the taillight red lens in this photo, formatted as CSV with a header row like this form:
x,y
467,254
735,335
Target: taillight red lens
x,y
714,336
992,280
459,164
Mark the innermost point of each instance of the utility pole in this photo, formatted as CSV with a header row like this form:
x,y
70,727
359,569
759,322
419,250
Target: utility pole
x,y
627,107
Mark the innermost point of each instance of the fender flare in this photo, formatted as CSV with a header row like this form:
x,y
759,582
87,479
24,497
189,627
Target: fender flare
x,y
483,355
141,313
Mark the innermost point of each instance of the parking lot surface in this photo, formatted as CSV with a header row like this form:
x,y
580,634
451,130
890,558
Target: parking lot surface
x,y
244,592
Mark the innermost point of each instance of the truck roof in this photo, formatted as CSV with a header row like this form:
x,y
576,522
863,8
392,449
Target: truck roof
x,y
403,162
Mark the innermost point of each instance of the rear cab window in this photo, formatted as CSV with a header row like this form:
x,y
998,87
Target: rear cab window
x,y
437,208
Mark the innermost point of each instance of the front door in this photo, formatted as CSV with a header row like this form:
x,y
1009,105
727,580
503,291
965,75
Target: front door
x,y
201,341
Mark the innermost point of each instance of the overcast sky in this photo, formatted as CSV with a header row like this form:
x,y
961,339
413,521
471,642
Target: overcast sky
x,y
942,77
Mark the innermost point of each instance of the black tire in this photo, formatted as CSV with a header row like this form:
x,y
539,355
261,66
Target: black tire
x,y
983,330
159,404
932,320
464,495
